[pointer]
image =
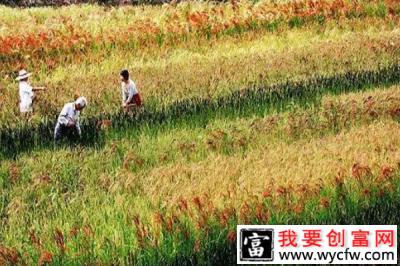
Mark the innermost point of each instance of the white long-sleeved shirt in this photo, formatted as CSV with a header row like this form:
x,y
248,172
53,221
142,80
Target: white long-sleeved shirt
x,y
26,95
69,114
128,91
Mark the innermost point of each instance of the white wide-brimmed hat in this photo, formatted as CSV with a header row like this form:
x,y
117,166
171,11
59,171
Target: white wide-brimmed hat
x,y
23,74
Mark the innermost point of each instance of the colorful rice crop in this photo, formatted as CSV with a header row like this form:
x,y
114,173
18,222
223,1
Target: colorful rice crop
x,y
68,29
265,112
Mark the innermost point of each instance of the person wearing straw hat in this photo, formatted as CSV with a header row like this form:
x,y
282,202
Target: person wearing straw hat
x,y
26,92
130,93
68,120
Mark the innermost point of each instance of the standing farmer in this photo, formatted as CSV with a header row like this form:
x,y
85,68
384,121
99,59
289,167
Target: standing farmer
x,y
26,93
130,94
68,120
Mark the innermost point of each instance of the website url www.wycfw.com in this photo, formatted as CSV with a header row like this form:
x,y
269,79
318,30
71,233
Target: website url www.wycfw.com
x,y
337,256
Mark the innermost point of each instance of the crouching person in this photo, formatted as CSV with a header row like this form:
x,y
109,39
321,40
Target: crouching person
x,y
130,93
68,121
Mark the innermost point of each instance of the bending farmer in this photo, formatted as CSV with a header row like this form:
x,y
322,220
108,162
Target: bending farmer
x,y
68,120
130,94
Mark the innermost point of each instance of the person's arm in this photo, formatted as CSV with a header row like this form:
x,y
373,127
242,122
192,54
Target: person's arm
x,y
63,120
39,88
123,94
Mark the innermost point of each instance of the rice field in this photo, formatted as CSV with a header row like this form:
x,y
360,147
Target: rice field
x,y
273,112
195,66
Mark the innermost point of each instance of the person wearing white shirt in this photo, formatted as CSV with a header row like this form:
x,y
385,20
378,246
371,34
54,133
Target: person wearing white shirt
x,y
26,92
130,93
68,121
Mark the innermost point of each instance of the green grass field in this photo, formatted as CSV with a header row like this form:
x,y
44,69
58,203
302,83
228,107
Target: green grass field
x,y
286,118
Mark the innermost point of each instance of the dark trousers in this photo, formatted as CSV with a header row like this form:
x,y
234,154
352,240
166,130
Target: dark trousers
x,y
62,131
137,100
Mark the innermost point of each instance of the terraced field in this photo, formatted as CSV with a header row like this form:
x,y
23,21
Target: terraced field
x,y
260,113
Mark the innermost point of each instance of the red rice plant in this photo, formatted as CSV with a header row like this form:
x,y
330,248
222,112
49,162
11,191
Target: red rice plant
x,y
366,192
395,113
281,190
324,203
187,148
225,215
172,220
74,231
141,230
169,224
386,172
183,205
201,223
138,161
158,218
14,173
8,256
369,102
303,189
231,236
382,192
197,245
45,258
87,230
113,148
60,240
266,193
298,208
373,114
164,157
132,158
211,144
45,179
339,178
136,220
35,240
261,213
186,233
242,142
140,237
245,212
359,171
198,203
223,219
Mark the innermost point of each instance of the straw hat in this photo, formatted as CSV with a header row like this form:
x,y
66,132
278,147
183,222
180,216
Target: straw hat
x,y
23,74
